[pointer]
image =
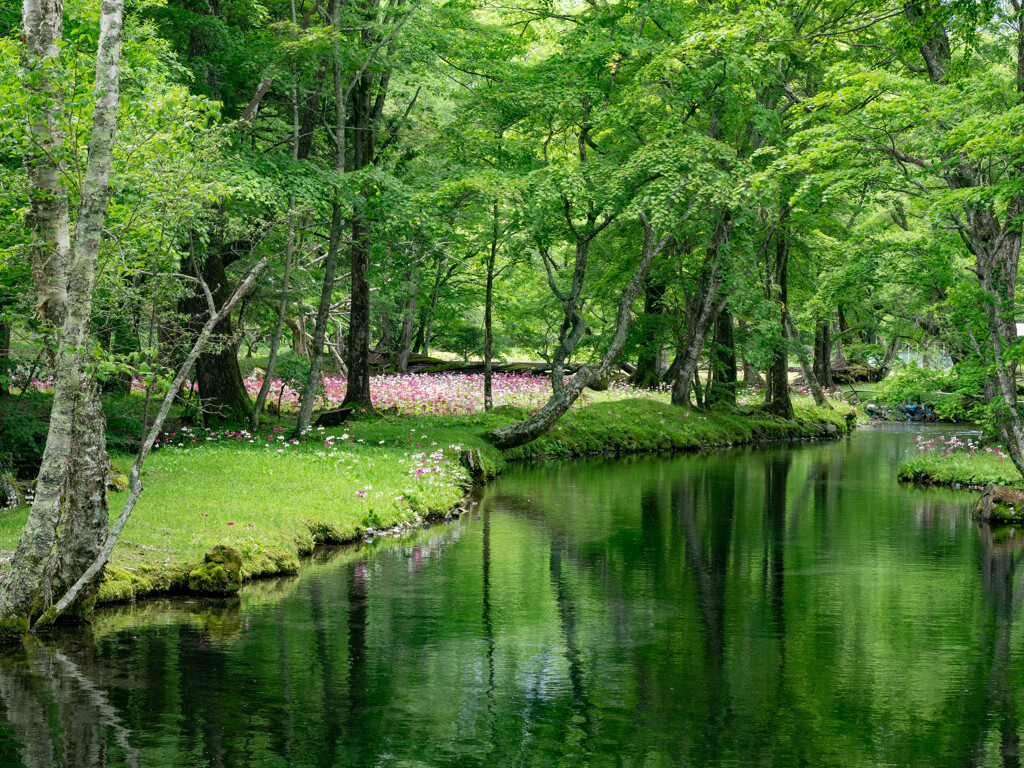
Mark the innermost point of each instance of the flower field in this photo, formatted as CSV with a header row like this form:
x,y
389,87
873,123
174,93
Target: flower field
x,y
447,394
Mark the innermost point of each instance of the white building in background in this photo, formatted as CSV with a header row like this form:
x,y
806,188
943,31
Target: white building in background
x,y
1020,329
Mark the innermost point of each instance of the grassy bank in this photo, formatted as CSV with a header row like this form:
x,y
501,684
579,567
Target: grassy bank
x,y
957,461
274,499
972,471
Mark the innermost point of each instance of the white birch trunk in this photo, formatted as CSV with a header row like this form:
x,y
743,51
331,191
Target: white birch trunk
x,y
42,28
20,593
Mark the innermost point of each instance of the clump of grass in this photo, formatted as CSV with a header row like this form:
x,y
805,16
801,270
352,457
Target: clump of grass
x,y
948,461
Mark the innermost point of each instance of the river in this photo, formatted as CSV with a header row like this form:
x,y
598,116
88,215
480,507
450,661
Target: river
x,y
781,606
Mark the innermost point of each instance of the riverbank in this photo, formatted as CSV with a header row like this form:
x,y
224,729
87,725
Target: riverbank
x,y
273,499
959,462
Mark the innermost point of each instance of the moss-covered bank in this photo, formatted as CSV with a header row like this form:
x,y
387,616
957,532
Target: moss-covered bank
x,y
959,470
273,500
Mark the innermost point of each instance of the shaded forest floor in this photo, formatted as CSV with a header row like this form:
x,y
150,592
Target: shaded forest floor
x,y
274,498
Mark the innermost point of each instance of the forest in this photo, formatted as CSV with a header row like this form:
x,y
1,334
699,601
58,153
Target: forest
x,y
237,222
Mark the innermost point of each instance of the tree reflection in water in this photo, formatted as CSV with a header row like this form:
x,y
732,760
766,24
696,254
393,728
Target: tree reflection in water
x,y
742,608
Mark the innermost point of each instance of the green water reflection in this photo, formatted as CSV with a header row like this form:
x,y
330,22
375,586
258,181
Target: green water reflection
x,y
789,606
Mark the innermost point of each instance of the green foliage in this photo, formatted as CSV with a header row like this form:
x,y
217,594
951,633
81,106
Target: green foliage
x,y
292,369
24,422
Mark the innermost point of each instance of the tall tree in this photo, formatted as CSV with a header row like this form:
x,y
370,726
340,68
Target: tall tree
x,y
75,499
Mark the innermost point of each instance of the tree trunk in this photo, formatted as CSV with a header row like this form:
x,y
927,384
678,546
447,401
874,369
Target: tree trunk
x,y
300,339
417,345
310,115
5,358
408,324
722,385
823,355
840,338
134,476
316,355
997,258
805,365
707,305
698,391
779,401
492,258
647,374
20,592
334,243
357,395
222,391
282,311
85,519
427,328
47,220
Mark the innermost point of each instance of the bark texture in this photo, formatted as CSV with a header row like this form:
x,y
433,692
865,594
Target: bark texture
x,y
42,29
21,592
722,386
778,400
701,315
222,391
85,518
647,373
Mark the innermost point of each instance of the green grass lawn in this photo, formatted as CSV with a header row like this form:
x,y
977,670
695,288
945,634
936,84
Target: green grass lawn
x,y
274,499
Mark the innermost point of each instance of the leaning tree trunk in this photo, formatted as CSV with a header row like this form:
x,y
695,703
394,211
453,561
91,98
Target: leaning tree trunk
x,y
564,395
316,355
805,364
707,306
222,391
21,592
102,555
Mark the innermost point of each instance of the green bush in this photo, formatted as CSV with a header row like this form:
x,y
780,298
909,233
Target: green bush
x,y
25,420
963,384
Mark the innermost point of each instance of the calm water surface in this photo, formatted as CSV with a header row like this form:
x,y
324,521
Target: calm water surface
x,y
778,607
